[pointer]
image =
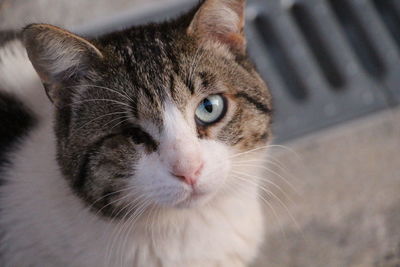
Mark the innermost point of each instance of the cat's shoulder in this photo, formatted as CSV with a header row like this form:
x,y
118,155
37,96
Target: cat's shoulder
x,y
16,74
16,121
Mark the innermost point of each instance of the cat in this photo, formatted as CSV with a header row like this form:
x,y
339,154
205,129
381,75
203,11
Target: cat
x,y
133,148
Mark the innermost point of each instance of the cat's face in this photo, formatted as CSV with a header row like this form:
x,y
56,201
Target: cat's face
x,y
154,115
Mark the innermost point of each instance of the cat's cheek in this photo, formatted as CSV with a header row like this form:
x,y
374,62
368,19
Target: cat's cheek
x,y
154,183
216,168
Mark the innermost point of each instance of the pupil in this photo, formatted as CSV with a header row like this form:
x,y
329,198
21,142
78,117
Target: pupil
x,y
208,105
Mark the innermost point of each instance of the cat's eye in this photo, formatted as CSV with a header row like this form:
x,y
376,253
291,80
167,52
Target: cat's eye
x,y
211,110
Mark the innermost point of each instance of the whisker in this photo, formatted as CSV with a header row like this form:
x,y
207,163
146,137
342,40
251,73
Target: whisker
x,y
265,201
269,192
118,199
265,147
130,225
124,95
249,151
100,99
115,233
288,149
273,172
269,160
115,119
151,219
264,180
99,199
99,117
119,123
125,222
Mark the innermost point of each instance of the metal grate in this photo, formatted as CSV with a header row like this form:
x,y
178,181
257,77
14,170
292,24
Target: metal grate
x,y
325,61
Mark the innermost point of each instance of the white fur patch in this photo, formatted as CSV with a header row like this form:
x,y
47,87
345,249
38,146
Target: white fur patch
x,y
180,147
18,78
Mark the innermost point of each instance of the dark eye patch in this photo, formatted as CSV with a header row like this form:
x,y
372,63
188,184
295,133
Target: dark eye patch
x,y
135,133
139,136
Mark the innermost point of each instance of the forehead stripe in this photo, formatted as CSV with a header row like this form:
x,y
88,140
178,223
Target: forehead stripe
x,y
172,85
189,83
260,106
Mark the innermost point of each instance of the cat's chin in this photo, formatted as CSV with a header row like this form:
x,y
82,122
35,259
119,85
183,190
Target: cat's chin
x,y
194,199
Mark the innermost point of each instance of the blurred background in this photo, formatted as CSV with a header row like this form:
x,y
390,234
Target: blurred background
x,y
333,67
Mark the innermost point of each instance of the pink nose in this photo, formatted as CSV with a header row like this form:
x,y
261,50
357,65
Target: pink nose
x,y
188,173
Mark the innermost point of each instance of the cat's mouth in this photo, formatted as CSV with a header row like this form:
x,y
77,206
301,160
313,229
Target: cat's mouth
x,y
194,197
196,194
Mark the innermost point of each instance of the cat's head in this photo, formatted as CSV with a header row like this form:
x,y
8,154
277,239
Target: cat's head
x,y
155,114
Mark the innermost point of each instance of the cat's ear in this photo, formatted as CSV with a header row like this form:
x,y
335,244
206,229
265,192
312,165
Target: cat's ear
x,y
58,55
222,21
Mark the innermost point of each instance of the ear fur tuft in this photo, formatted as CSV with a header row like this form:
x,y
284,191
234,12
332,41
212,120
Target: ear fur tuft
x,y
57,55
221,21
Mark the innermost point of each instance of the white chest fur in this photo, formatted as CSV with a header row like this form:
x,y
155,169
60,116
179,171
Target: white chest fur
x,y
47,225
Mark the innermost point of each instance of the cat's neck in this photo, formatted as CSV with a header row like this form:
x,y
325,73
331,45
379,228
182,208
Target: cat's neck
x,y
57,214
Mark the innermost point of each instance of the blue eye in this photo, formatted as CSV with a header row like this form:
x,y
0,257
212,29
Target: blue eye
x,y
211,109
